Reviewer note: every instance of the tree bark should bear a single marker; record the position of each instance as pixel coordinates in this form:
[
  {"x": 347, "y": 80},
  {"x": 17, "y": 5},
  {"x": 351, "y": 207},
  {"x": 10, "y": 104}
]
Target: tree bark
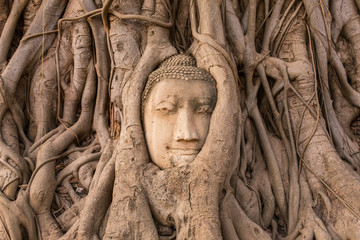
[{"x": 280, "y": 159}]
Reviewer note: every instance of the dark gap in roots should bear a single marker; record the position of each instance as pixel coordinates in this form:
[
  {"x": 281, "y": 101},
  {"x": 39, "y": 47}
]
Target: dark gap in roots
[{"x": 355, "y": 127}]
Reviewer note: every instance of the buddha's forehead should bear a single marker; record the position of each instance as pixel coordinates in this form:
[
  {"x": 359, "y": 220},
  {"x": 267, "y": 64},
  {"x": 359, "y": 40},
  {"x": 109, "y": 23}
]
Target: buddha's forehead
[{"x": 178, "y": 89}]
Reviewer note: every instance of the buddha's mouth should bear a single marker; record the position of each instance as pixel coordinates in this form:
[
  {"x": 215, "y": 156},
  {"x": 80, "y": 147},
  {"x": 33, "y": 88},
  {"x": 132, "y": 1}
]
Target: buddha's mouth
[
  {"x": 182, "y": 157},
  {"x": 185, "y": 151}
]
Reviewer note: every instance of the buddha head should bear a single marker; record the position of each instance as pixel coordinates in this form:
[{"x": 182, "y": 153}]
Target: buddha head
[{"x": 177, "y": 104}]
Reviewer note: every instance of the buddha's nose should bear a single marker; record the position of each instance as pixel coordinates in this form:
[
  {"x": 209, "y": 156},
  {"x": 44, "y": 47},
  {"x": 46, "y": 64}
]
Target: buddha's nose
[{"x": 185, "y": 128}]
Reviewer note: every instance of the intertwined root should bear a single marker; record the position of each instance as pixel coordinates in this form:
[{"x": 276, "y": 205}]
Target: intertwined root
[
  {"x": 14, "y": 170},
  {"x": 289, "y": 159},
  {"x": 309, "y": 226}
]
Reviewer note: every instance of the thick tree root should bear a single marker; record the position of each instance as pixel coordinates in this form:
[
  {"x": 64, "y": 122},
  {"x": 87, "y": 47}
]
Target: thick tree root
[
  {"x": 236, "y": 224},
  {"x": 309, "y": 225}
]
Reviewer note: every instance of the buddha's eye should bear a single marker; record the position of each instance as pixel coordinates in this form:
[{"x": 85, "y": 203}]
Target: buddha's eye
[
  {"x": 204, "y": 109},
  {"x": 165, "y": 108}
]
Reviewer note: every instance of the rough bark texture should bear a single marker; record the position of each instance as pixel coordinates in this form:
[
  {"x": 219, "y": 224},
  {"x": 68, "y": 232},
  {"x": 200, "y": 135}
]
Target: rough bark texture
[{"x": 281, "y": 158}]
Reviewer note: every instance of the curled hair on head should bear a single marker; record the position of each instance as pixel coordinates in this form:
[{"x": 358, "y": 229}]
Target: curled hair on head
[{"x": 179, "y": 67}]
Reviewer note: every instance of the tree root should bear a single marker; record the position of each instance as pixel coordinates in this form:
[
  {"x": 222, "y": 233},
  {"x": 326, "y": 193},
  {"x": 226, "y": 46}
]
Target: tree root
[
  {"x": 30, "y": 50},
  {"x": 18, "y": 170},
  {"x": 9, "y": 29},
  {"x": 255, "y": 196},
  {"x": 310, "y": 225},
  {"x": 103, "y": 73},
  {"x": 233, "y": 218},
  {"x": 100, "y": 194},
  {"x": 73, "y": 168},
  {"x": 123, "y": 222},
  {"x": 17, "y": 215},
  {"x": 130, "y": 197}
]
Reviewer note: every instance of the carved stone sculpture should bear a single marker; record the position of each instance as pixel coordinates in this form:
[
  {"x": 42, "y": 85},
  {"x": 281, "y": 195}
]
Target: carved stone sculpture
[
  {"x": 177, "y": 104},
  {"x": 179, "y": 119}
]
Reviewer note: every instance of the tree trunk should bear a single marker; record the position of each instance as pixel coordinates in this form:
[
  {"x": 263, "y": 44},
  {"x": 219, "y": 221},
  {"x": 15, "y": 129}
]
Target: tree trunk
[{"x": 274, "y": 155}]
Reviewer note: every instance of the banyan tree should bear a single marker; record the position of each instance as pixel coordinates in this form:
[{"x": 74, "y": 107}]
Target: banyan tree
[{"x": 179, "y": 119}]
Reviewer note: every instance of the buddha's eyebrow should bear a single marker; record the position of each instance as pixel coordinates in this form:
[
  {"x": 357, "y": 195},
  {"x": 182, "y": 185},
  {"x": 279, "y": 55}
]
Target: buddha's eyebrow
[
  {"x": 164, "y": 101},
  {"x": 168, "y": 99},
  {"x": 203, "y": 100}
]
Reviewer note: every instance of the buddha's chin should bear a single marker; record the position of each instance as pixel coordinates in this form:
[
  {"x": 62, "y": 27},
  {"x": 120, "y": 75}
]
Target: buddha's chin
[{"x": 181, "y": 160}]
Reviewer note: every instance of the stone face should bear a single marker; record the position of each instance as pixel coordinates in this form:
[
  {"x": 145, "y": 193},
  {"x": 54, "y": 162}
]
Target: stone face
[
  {"x": 176, "y": 120},
  {"x": 176, "y": 117}
]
